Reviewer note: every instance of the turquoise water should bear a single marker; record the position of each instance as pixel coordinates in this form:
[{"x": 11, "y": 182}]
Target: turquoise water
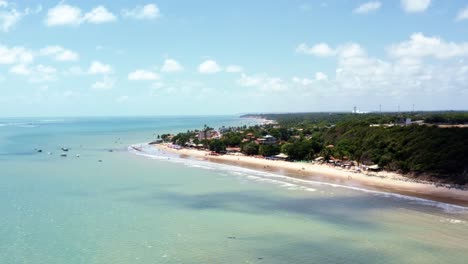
[{"x": 150, "y": 209}]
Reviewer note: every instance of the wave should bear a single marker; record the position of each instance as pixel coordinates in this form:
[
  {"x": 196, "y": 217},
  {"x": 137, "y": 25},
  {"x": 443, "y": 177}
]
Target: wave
[
  {"x": 288, "y": 182},
  {"x": 30, "y": 123},
  {"x": 17, "y": 124},
  {"x": 453, "y": 221},
  {"x": 47, "y": 121}
]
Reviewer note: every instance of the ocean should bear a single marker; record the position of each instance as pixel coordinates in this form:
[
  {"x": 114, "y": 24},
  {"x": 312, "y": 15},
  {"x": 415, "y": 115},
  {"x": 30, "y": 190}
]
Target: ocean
[{"x": 105, "y": 203}]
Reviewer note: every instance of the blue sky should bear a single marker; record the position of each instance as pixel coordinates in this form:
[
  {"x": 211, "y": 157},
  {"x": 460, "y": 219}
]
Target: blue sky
[{"x": 77, "y": 58}]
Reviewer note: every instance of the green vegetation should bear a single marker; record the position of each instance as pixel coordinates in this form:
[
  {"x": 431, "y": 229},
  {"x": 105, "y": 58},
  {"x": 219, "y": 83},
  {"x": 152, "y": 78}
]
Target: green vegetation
[
  {"x": 420, "y": 149},
  {"x": 441, "y": 152},
  {"x": 217, "y": 145},
  {"x": 328, "y": 119}
]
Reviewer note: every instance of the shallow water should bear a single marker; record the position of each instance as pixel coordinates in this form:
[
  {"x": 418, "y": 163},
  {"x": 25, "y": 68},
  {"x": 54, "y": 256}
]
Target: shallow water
[{"x": 146, "y": 209}]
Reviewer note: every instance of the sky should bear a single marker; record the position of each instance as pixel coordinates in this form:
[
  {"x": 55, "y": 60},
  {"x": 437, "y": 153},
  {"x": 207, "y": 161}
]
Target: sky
[{"x": 176, "y": 57}]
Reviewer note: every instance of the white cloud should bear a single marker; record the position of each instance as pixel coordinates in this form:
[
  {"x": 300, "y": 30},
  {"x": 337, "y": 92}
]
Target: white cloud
[
  {"x": 414, "y": 6},
  {"x": 209, "y": 67},
  {"x": 39, "y": 73},
  {"x": 171, "y": 65},
  {"x": 68, "y": 94},
  {"x": 9, "y": 18},
  {"x": 143, "y": 75},
  {"x": 105, "y": 84},
  {"x": 263, "y": 82},
  {"x": 15, "y": 55},
  {"x": 20, "y": 69},
  {"x": 149, "y": 11},
  {"x": 44, "y": 88},
  {"x": 21, "y": 55},
  {"x": 74, "y": 70},
  {"x": 302, "y": 81},
  {"x": 422, "y": 46},
  {"x": 194, "y": 89},
  {"x": 320, "y": 76},
  {"x": 305, "y": 7},
  {"x": 59, "y": 53},
  {"x": 97, "y": 67},
  {"x": 122, "y": 99},
  {"x": 462, "y": 14},
  {"x": 99, "y": 15},
  {"x": 44, "y": 73},
  {"x": 63, "y": 14},
  {"x": 320, "y": 49},
  {"x": 367, "y": 7},
  {"x": 249, "y": 81},
  {"x": 324, "y": 50},
  {"x": 406, "y": 72},
  {"x": 351, "y": 50},
  {"x": 234, "y": 69}
]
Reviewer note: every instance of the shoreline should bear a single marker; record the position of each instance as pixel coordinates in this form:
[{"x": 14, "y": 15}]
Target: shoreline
[
  {"x": 375, "y": 181},
  {"x": 262, "y": 120}
]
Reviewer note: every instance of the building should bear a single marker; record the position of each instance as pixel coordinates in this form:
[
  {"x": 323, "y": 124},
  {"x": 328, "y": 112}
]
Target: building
[
  {"x": 281, "y": 156},
  {"x": 233, "y": 150},
  {"x": 157, "y": 141},
  {"x": 208, "y": 134},
  {"x": 267, "y": 140},
  {"x": 204, "y": 134}
]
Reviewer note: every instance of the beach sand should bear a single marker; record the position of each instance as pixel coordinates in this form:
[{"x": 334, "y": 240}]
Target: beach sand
[{"x": 377, "y": 181}]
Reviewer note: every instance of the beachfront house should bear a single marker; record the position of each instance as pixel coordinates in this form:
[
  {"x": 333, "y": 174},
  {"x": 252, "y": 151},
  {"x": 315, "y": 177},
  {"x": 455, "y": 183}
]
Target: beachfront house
[
  {"x": 204, "y": 134},
  {"x": 267, "y": 140},
  {"x": 281, "y": 156},
  {"x": 157, "y": 141},
  {"x": 233, "y": 150}
]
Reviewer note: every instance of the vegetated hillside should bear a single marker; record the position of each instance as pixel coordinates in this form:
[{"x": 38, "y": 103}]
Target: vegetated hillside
[
  {"x": 324, "y": 118},
  {"x": 420, "y": 150},
  {"x": 427, "y": 150}
]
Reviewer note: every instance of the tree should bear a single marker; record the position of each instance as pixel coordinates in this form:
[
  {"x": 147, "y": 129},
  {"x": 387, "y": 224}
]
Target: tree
[
  {"x": 217, "y": 145},
  {"x": 165, "y": 137},
  {"x": 268, "y": 150},
  {"x": 300, "y": 150},
  {"x": 250, "y": 149}
]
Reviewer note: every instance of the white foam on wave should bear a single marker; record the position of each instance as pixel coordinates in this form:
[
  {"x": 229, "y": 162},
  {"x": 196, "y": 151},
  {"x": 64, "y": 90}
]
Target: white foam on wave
[
  {"x": 17, "y": 124},
  {"x": 31, "y": 123},
  {"x": 200, "y": 166},
  {"x": 285, "y": 181},
  {"x": 453, "y": 221},
  {"x": 46, "y": 121}
]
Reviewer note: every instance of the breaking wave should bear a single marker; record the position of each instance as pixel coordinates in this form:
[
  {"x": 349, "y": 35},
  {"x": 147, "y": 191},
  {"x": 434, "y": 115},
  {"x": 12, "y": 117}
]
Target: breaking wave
[{"x": 287, "y": 182}]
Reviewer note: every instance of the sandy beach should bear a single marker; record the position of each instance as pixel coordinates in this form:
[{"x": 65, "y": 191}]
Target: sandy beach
[{"x": 380, "y": 181}]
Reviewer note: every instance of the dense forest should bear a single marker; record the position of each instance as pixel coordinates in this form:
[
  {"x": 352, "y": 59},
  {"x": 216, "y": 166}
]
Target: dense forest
[
  {"x": 435, "y": 146},
  {"x": 433, "y": 117}
]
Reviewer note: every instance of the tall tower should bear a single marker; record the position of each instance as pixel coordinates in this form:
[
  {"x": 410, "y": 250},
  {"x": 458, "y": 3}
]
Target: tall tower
[{"x": 354, "y": 111}]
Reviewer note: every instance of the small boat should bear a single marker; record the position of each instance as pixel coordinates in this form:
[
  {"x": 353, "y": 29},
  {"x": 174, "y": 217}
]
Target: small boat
[
  {"x": 39, "y": 150},
  {"x": 77, "y": 155},
  {"x": 65, "y": 149},
  {"x": 63, "y": 155}
]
